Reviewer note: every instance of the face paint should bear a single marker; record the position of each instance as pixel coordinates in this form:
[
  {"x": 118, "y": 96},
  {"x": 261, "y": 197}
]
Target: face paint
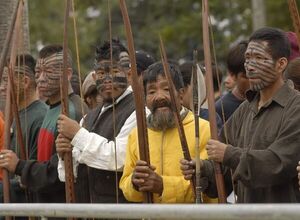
[
  {"x": 124, "y": 60},
  {"x": 111, "y": 82},
  {"x": 260, "y": 66},
  {"x": 48, "y": 73},
  {"x": 19, "y": 73}
]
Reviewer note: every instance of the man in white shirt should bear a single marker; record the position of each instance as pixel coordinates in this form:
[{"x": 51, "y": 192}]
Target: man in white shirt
[{"x": 99, "y": 145}]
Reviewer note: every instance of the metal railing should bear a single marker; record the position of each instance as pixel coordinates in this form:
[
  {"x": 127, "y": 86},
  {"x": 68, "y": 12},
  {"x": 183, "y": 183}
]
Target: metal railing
[{"x": 157, "y": 211}]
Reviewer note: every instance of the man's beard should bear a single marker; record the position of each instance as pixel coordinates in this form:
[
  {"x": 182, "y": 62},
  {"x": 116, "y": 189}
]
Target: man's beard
[
  {"x": 161, "y": 120},
  {"x": 257, "y": 86}
]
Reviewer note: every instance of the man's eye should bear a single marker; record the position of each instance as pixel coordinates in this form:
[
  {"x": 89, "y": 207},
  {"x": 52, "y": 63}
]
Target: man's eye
[
  {"x": 151, "y": 92},
  {"x": 100, "y": 73},
  {"x": 260, "y": 58}
]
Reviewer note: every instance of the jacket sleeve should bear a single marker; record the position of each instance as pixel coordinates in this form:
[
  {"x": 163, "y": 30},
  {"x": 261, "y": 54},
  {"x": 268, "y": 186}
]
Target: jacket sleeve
[
  {"x": 40, "y": 176},
  {"x": 130, "y": 193},
  {"x": 208, "y": 180},
  {"x": 98, "y": 152},
  {"x": 230, "y": 135}
]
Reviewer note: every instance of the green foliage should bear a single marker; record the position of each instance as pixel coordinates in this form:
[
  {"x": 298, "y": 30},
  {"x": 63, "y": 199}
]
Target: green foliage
[{"x": 178, "y": 21}]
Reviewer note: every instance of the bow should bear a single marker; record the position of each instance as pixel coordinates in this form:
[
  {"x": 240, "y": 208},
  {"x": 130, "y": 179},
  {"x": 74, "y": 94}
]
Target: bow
[
  {"x": 10, "y": 94},
  {"x": 8, "y": 39},
  {"x": 176, "y": 111},
  {"x": 113, "y": 103},
  {"x": 138, "y": 96},
  {"x": 10, "y": 97},
  {"x": 295, "y": 17},
  {"x": 210, "y": 96},
  {"x": 64, "y": 88},
  {"x": 77, "y": 57}
]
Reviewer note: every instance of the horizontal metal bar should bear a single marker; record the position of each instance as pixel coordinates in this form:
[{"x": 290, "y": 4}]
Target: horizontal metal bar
[{"x": 134, "y": 211}]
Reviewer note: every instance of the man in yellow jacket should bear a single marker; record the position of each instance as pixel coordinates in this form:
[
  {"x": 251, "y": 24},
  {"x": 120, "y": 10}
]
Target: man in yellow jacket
[{"x": 163, "y": 176}]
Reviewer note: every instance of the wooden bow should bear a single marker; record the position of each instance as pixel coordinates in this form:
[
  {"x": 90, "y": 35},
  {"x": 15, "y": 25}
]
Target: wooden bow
[
  {"x": 138, "y": 96},
  {"x": 113, "y": 102},
  {"x": 295, "y": 18},
  {"x": 211, "y": 99},
  {"x": 7, "y": 122},
  {"x": 175, "y": 109},
  {"x": 11, "y": 103},
  {"x": 8, "y": 38},
  {"x": 64, "y": 88}
]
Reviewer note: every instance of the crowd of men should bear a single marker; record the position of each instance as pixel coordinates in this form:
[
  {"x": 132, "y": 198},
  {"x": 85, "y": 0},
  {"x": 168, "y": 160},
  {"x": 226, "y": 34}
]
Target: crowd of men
[{"x": 258, "y": 122}]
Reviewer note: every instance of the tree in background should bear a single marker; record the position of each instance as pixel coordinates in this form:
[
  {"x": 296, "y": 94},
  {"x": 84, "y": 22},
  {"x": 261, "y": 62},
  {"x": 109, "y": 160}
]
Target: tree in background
[{"x": 178, "y": 21}]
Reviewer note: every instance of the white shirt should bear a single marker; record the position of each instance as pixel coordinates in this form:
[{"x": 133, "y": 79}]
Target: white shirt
[{"x": 96, "y": 151}]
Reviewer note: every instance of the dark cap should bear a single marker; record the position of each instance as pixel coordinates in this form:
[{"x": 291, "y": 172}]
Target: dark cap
[{"x": 143, "y": 60}]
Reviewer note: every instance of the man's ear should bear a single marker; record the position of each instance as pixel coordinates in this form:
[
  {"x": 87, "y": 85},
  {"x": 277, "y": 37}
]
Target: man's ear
[
  {"x": 128, "y": 74},
  {"x": 181, "y": 94},
  {"x": 282, "y": 64},
  {"x": 69, "y": 72},
  {"x": 26, "y": 80},
  {"x": 233, "y": 76},
  {"x": 94, "y": 76}
]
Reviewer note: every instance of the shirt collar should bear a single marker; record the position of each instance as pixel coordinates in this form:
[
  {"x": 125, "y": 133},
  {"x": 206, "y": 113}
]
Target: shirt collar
[
  {"x": 280, "y": 96},
  {"x": 125, "y": 93}
]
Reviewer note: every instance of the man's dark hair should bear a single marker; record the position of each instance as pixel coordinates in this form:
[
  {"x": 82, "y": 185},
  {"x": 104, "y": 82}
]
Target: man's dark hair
[
  {"x": 236, "y": 58},
  {"x": 278, "y": 42},
  {"x": 52, "y": 49},
  {"x": 26, "y": 60},
  {"x": 157, "y": 69},
  {"x": 143, "y": 60},
  {"x": 75, "y": 83},
  {"x": 103, "y": 51},
  {"x": 186, "y": 72},
  {"x": 49, "y": 50}
]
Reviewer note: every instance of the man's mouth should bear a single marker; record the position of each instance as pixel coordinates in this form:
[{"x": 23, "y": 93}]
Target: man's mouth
[
  {"x": 42, "y": 89},
  {"x": 253, "y": 79},
  {"x": 162, "y": 108},
  {"x": 108, "y": 87}
]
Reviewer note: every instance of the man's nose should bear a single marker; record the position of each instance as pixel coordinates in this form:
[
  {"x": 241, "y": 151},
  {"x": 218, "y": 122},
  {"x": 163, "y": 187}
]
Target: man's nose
[
  {"x": 250, "y": 65},
  {"x": 41, "y": 77},
  {"x": 161, "y": 94},
  {"x": 107, "y": 78}
]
